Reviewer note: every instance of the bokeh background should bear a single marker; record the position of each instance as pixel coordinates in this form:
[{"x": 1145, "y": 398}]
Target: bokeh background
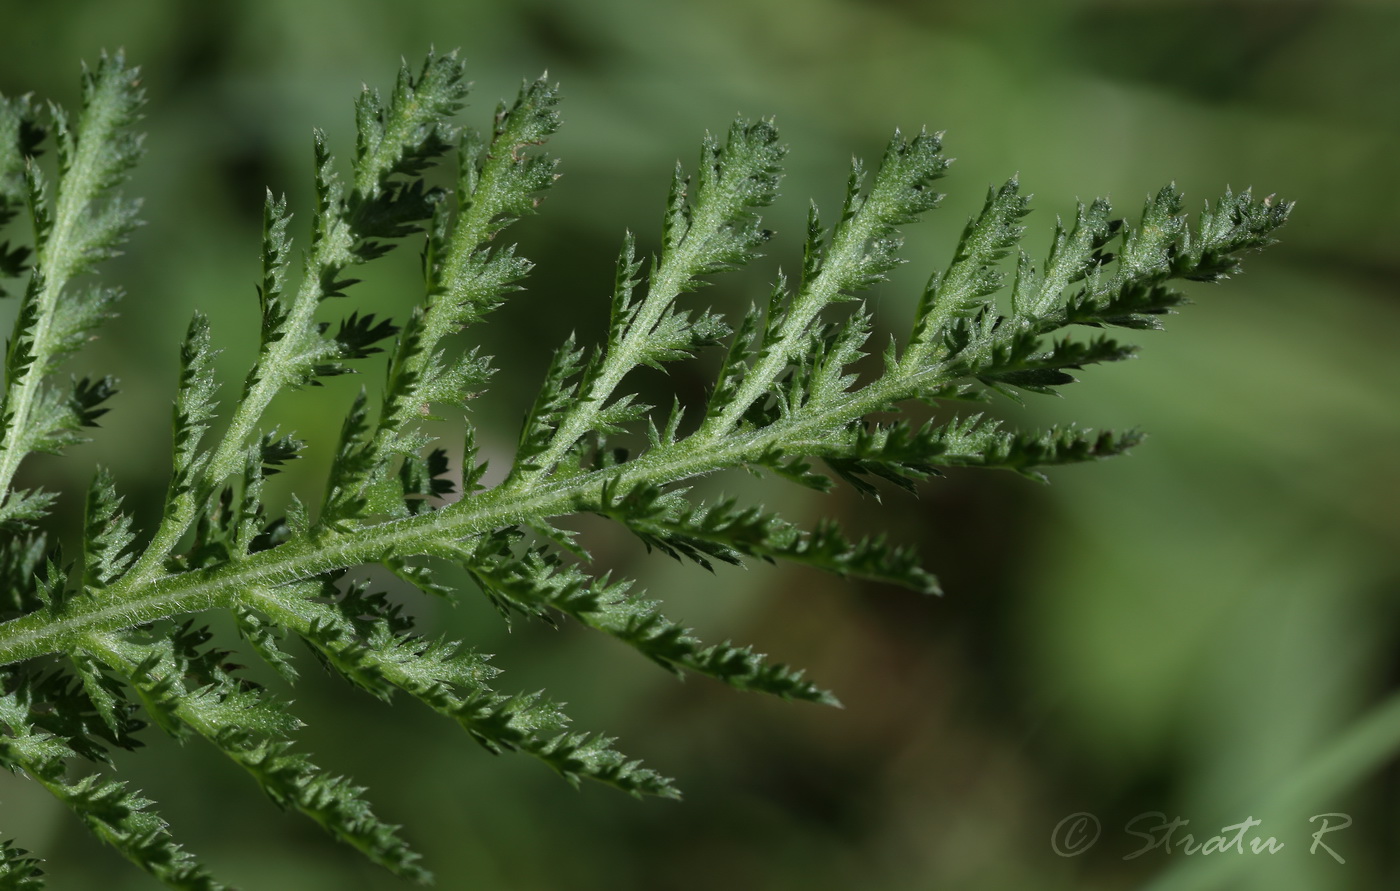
[{"x": 1206, "y": 628}]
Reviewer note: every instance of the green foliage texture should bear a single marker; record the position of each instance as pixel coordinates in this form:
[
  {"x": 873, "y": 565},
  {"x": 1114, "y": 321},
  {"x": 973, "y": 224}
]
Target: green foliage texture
[{"x": 104, "y": 635}]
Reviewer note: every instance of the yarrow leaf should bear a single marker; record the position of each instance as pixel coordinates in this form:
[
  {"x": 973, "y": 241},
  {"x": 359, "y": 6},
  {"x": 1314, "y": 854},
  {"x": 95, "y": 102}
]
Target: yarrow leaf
[{"x": 106, "y": 633}]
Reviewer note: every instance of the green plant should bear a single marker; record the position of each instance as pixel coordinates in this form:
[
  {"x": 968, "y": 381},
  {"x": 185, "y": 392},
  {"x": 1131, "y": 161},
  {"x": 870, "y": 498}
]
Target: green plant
[{"x": 96, "y": 642}]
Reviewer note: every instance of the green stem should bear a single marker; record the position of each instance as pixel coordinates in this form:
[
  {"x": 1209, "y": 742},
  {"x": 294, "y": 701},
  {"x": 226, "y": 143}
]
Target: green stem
[
  {"x": 133, "y": 601},
  {"x": 59, "y": 260},
  {"x": 228, "y": 458},
  {"x": 846, "y": 248}
]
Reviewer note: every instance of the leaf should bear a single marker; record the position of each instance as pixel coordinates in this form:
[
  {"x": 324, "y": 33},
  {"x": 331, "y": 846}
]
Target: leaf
[
  {"x": 251, "y": 729},
  {"x": 19, "y": 871},
  {"x": 538, "y": 582},
  {"x": 107, "y": 534},
  {"x": 117, "y": 816},
  {"x": 972, "y": 275},
  {"x": 363, "y": 640},
  {"x": 726, "y": 531},
  {"x": 89, "y": 646}
]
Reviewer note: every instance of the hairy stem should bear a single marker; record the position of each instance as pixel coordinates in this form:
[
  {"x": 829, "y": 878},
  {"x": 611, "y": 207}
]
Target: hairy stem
[
  {"x": 60, "y": 257},
  {"x": 131, "y": 602}
]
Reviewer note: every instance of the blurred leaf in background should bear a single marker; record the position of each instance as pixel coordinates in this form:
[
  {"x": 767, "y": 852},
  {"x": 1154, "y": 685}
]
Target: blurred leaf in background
[{"x": 1196, "y": 655}]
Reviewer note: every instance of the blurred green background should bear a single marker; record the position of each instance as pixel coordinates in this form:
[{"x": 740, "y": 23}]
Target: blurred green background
[{"x": 1200, "y": 629}]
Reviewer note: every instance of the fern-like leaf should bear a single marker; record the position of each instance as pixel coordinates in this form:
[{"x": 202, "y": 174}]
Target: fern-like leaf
[{"x": 100, "y": 635}]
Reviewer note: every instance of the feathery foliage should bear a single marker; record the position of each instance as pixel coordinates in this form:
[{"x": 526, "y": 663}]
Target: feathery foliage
[{"x": 103, "y": 636}]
